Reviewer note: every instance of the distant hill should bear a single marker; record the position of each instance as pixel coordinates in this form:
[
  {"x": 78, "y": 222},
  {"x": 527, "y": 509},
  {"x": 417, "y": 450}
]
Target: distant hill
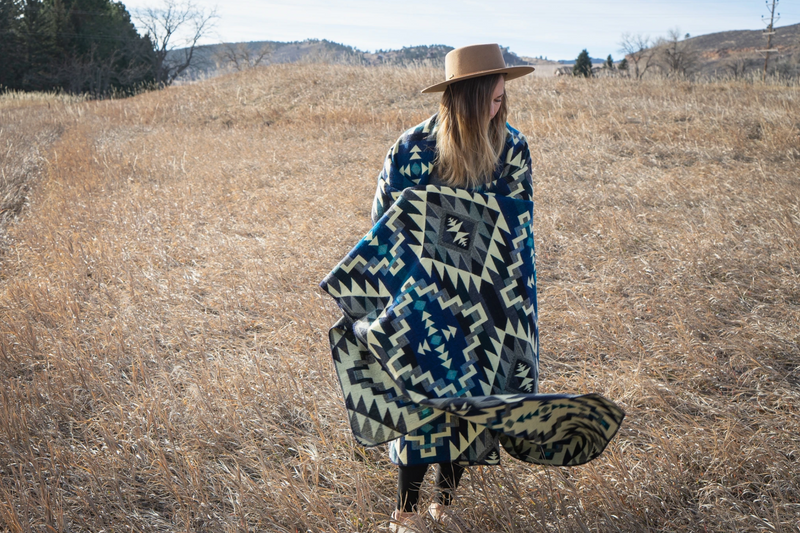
[
  {"x": 594, "y": 60},
  {"x": 786, "y": 39},
  {"x": 715, "y": 54},
  {"x": 719, "y": 51},
  {"x": 433, "y": 54},
  {"x": 218, "y": 58},
  {"x": 213, "y": 59},
  {"x": 406, "y": 55}
]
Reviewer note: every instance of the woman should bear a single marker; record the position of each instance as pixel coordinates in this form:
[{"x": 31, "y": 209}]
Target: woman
[
  {"x": 467, "y": 141},
  {"x": 438, "y": 349}
]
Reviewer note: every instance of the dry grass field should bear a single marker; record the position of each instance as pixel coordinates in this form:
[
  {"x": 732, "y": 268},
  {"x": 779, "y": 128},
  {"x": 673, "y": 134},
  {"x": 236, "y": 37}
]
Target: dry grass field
[{"x": 164, "y": 362}]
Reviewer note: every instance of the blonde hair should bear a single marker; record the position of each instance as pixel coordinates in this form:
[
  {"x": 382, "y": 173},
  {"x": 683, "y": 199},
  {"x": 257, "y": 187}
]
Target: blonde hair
[{"x": 468, "y": 146}]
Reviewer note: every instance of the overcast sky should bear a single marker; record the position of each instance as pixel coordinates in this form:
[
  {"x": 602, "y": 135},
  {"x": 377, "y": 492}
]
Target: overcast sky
[{"x": 557, "y": 29}]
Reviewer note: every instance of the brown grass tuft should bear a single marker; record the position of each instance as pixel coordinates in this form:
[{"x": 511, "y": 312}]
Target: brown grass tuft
[{"x": 163, "y": 344}]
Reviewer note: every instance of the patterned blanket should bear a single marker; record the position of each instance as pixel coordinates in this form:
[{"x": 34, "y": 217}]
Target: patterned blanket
[{"x": 438, "y": 345}]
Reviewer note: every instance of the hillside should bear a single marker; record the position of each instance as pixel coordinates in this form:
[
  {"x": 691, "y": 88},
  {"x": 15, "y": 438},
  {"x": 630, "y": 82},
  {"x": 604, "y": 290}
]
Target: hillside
[
  {"x": 719, "y": 52},
  {"x": 786, "y": 40},
  {"x": 715, "y": 54},
  {"x": 217, "y": 59},
  {"x": 164, "y": 356}
]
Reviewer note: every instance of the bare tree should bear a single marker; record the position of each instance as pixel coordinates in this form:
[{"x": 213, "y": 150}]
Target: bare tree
[
  {"x": 174, "y": 28},
  {"x": 676, "y": 55},
  {"x": 637, "y": 50},
  {"x": 242, "y": 56},
  {"x": 737, "y": 66}
]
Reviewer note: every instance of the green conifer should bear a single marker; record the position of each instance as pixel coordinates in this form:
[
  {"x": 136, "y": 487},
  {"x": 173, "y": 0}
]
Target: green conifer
[
  {"x": 38, "y": 46},
  {"x": 10, "y": 44},
  {"x": 583, "y": 65},
  {"x": 79, "y": 46}
]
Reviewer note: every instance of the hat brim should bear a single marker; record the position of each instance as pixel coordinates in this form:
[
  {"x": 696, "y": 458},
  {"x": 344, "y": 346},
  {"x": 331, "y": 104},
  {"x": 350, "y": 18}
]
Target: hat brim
[{"x": 510, "y": 72}]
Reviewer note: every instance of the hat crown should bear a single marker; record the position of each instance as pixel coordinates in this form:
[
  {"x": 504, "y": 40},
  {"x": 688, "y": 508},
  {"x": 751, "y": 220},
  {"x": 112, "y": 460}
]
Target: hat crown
[{"x": 473, "y": 59}]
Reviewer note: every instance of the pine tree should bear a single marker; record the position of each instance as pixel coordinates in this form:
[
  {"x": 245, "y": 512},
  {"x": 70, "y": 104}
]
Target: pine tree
[
  {"x": 583, "y": 65},
  {"x": 99, "y": 49},
  {"x": 80, "y": 46},
  {"x": 10, "y": 44},
  {"x": 623, "y": 65},
  {"x": 38, "y": 46},
  {"x": 609, "y": 62}
]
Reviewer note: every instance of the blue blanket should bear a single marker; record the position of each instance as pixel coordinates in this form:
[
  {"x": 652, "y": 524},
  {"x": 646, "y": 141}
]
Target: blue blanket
[{"x": 437, "y": 350}]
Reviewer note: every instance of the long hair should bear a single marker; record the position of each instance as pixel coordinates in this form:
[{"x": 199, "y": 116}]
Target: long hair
[{"x": 468, "y": 144}]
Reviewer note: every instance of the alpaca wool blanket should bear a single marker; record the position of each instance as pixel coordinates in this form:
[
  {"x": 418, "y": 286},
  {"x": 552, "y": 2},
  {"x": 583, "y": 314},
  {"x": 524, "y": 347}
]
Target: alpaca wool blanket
[{"x": 437, "y": 350}]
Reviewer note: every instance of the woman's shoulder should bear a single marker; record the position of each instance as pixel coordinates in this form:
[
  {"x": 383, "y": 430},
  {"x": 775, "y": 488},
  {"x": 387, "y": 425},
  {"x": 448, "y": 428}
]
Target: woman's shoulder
[
  {"x": 425, "y": 131},
  {"x": 514, "y": 137},
  {"x": 410, "y": 160},
  {"x": 417, "y": 145},
  {"x": 513, "y": 176}
]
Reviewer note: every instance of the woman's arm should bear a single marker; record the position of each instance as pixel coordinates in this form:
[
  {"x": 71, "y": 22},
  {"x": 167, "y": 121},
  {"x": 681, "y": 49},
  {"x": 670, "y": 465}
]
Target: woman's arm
[
  {"x": 526, "y": 157},
  {"x": 517, "y": 172}
]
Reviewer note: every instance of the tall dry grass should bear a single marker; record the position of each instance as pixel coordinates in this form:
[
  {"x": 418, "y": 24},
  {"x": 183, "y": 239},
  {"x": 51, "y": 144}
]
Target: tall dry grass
[
  {"x": 163, "y": 344},
  {"x": 29, "y": 124}
]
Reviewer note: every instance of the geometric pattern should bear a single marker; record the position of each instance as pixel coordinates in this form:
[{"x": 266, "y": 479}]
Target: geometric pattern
[
  {"x": 437, "y": 350},
  {"x": 410, "y": 163}
]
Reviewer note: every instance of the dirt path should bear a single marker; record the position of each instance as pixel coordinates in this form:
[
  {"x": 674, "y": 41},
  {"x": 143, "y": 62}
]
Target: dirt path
[{"x": 27, "y": 134}]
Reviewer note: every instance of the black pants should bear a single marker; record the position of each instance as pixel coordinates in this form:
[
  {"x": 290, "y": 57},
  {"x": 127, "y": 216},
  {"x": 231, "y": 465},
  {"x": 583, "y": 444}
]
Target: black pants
[{"x": 409, "y": 481}]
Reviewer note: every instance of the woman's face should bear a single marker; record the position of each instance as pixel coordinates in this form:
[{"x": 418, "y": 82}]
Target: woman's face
[{"x": 497, "y": 97}]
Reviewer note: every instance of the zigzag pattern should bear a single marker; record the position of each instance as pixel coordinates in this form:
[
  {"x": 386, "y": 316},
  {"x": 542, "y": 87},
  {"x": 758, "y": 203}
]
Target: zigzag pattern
[
  {"x": 409, "y": 163},
  {"x": 438, "y": 348}
]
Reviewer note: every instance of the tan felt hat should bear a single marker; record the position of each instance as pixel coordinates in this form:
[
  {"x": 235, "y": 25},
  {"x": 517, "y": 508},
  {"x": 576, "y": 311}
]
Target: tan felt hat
[{"x": 474, "y": 61}]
